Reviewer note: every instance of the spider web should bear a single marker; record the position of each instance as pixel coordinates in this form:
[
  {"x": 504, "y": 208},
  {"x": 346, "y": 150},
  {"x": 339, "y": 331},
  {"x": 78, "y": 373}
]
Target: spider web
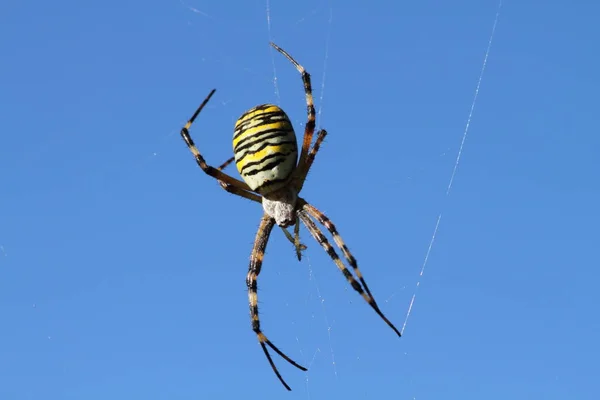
[{"x": 455, "y": 168}]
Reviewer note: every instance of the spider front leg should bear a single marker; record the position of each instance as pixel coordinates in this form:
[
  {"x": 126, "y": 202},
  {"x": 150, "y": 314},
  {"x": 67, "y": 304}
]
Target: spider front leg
[
  {"x": 309, "y": 128},
  {"x": 211, "y": 171},
  {"x": 256, "y": 259}
]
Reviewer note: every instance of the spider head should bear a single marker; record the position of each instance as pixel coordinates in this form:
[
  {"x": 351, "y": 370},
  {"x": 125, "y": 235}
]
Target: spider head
[{"x": 281, "y": 205}]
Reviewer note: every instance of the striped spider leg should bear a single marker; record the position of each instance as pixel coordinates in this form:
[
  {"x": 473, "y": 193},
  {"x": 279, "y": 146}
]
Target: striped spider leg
[
  {"x": 235, "y": 185},
  {"x": 256, "y": 260},
  {"x": 360, "y": 286},
  {"x": 309, "y": 128}
]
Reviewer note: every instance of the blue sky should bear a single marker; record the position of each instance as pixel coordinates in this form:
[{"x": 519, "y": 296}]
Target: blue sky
[{"x": 122, "y": 265}]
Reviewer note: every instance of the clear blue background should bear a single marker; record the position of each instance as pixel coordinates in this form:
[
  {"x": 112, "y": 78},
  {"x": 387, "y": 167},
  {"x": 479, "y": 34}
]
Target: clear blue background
[{"x": 122, "y": 265}]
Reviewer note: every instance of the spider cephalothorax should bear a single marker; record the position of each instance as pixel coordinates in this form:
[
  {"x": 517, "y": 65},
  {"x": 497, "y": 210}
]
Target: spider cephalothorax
[
  {"x": 266, "y": 156},
  {"x": 281, "y": 205}
]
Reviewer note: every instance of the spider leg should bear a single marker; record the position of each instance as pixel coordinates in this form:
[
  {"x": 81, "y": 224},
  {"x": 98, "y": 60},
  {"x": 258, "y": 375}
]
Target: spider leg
[
  {"x": 226, "y": 163},
  {"x": 310, "y": 159},
  {"x": 326, "y": 222},
  {"x": 214, "y": 172},
  {"x": 235, "y": 190},
  {"x": 242, "y": 193},
  {"x": 256, "y": 259},
  {"x": 309, "y": 128},
  {"x": 361, "y": 287},
  {"x": 297, "y": 243},
  {"x": 295, "y": 240},
  {"x": 315, "y": 149}
]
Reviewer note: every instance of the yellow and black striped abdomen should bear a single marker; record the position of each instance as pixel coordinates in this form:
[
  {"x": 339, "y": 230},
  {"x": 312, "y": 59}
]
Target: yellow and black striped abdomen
[{"x": 265, "y": 148}]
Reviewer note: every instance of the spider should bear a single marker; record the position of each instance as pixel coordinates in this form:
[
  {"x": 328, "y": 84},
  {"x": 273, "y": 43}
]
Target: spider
[{"x": 266, "y": 156}]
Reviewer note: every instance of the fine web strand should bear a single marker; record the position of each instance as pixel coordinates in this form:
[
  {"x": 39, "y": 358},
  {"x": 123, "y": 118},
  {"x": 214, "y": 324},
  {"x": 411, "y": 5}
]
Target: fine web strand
[
  {"x": 195, "y": 10},
  {"x": 272, "y": 52},
  {"x": 327, "y": 39},
  {"x": 458, "y": 156},
  {"x": 312, "y": 277},
  {"x": 468, "y": 124},
  {"x": 308, "y": 365}
]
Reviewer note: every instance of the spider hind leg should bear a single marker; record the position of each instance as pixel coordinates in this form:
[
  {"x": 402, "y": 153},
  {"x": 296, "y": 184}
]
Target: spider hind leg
[
  {"x": 258, "y": 251},
  {"x": 359, "y": 285}
]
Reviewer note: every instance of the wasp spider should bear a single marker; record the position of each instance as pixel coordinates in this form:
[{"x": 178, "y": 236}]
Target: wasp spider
[{"x": 266, "y": 156}]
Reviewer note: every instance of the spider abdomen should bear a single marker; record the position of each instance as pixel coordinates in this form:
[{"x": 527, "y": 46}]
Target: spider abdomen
[{"x": 265, "y": 148}]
